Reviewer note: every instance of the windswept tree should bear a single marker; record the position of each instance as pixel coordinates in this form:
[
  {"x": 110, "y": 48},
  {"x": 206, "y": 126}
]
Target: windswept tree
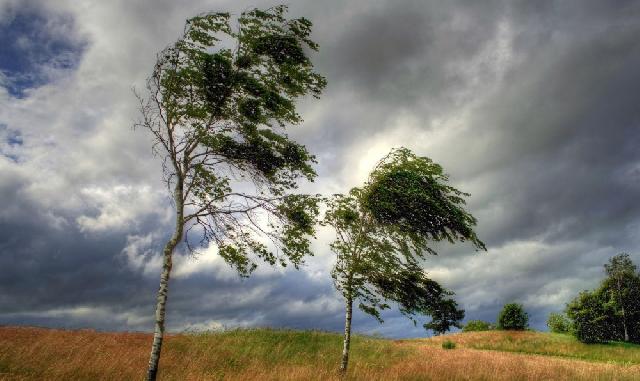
[
  {"x": 383, "y": 232},
  {"x": 217, "y": 105}
]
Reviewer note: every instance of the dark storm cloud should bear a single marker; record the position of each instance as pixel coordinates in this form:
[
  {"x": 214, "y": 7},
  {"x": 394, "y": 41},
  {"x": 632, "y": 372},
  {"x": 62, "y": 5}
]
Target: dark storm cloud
[
  {"x": 49, "y": 264},
  {"x": 530, "y": 106},
  {"x": 402, "y": 52},
  {"x": 565, "y": 136}
]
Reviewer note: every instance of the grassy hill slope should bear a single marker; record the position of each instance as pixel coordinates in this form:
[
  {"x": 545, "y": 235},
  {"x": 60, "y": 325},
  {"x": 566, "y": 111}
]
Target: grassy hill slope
[
  {"x": 549, "y": 344},
  {"x": 262, "y": 354}
]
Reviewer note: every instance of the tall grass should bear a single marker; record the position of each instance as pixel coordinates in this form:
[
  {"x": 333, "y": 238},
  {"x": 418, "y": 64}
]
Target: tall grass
[
  {"x": 264, "y": 354},
  {"x": 33, "y": 353}
]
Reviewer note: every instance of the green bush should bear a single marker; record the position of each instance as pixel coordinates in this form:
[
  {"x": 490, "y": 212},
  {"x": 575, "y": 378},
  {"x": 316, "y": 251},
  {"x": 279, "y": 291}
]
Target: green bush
[
  {"x": 558, "y": 323},
  {"x": 448, "y": 344},
  {"x": 513, "y": 317},
  {"x": 477, "y": 325},
  {"x": 594, "y": 320}
]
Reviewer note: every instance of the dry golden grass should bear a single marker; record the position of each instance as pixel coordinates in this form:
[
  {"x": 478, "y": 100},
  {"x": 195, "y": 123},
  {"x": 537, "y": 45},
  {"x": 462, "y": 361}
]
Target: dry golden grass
[
  {"x": 549, "y": 344},
  {"x": 44, "y": 354}
]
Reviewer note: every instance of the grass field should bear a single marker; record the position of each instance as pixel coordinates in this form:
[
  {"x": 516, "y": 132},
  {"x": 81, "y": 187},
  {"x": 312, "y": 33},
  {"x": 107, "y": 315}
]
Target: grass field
[
  {"x": 549, "y": 344},
  {"x": 262, "y": 354}
]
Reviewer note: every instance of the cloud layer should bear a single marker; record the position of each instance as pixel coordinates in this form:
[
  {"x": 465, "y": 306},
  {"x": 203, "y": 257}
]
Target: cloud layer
[{"x": 530, "y": 106}]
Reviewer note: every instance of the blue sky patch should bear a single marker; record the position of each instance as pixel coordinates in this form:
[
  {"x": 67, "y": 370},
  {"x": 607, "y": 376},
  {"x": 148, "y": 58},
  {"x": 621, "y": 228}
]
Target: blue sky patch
[
  {"x": 10, "y": 141},
  {"x": 34, "y": 45}
]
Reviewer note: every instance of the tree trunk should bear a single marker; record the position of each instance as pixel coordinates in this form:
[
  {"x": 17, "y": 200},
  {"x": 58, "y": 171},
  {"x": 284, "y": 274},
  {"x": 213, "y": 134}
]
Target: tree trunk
[
  {"x": 624, "y": 317},
  {"x": 624, "y": 324},
  {"x": 347, "y": 335},
  {"x": 167, "y": 263}
]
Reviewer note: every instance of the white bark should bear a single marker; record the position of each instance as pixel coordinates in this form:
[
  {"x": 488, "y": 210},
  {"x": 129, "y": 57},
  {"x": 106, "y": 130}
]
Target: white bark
[
  {"x": 347, "y": 335},
  {"x": 624, "y": 323},
  {"x": 624, "y": 317},
  {"x": 164, "y": 283}
]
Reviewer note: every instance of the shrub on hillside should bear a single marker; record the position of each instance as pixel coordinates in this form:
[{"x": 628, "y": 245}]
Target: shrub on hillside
[
  {"x": 558, "y": 323},
  {"x": 513, "y": 317},
  {"x": 448, "y": 344},
  {"x": 477, "y": 325}
]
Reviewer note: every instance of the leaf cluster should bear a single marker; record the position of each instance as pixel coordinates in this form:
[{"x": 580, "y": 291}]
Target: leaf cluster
[
  {"x": 558, "y": 323},
  {"x": 218, "y": 102},
  {"x": 411, "y": 194}
]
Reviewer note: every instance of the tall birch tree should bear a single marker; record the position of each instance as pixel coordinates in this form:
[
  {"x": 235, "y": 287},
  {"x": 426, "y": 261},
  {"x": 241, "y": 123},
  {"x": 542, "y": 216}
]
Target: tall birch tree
[
  {"x": 217, "y": 105},
  {"x": 384, "y": 231}
]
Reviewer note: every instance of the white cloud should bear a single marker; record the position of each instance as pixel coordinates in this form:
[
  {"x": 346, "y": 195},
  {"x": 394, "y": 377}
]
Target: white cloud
[{"x": 119, "y": 207}]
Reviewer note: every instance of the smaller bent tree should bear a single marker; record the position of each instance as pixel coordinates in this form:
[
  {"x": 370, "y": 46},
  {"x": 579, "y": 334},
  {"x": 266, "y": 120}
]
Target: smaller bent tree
[
  {"x": 383, "y": 231},
  {"x": 217, "y": 105}
]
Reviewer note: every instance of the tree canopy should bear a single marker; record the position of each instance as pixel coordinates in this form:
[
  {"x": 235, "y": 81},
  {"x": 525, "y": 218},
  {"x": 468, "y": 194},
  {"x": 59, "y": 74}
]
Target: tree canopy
[
  {"x": 410, "y": 196},
  {"x": 513, "y": 317},
  {"x": 218, "y": 115}
]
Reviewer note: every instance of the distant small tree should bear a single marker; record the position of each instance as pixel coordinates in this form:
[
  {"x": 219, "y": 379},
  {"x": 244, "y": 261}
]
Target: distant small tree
[
  {"x": 513, "y": 317},
  {"x": 444, "y": 316},
  {"x": 558, "y": 323},
  {"x": 383, "y": 231},
  {"x": 477, "y": 325},
  {"x": 217, "y": 104}
]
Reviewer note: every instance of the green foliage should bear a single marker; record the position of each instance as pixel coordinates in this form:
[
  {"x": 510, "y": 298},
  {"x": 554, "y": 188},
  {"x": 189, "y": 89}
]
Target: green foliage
[
  {"x": 477, "y": 325},
  {"x": 378, "y": 257},
  {"x": 558, "y": 323},
  {"x": 444, "y": 316},
  {"x": 592, "y": 318},
  {"x": 513, "y": 317},
  {"x": 619, "y": 266},
  {"x": 600, "y": 315},
  {"x": 448, "y": 344},
  {"x": 411, "y": 194},
  {"x": 218, "y": 116}
]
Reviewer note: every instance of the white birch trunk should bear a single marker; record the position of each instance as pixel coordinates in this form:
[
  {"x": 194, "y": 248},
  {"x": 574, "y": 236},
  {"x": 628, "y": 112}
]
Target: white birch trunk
[
  {"x": 347, "y": 335},
  {"x": 624, "y": 317},
  {"x": 164, "y": 283},
  {"x": 624, "y": 324}
]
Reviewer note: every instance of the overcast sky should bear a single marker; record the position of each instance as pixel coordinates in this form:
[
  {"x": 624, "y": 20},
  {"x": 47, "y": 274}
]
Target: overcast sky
[{"x": 533, "y": 107}]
